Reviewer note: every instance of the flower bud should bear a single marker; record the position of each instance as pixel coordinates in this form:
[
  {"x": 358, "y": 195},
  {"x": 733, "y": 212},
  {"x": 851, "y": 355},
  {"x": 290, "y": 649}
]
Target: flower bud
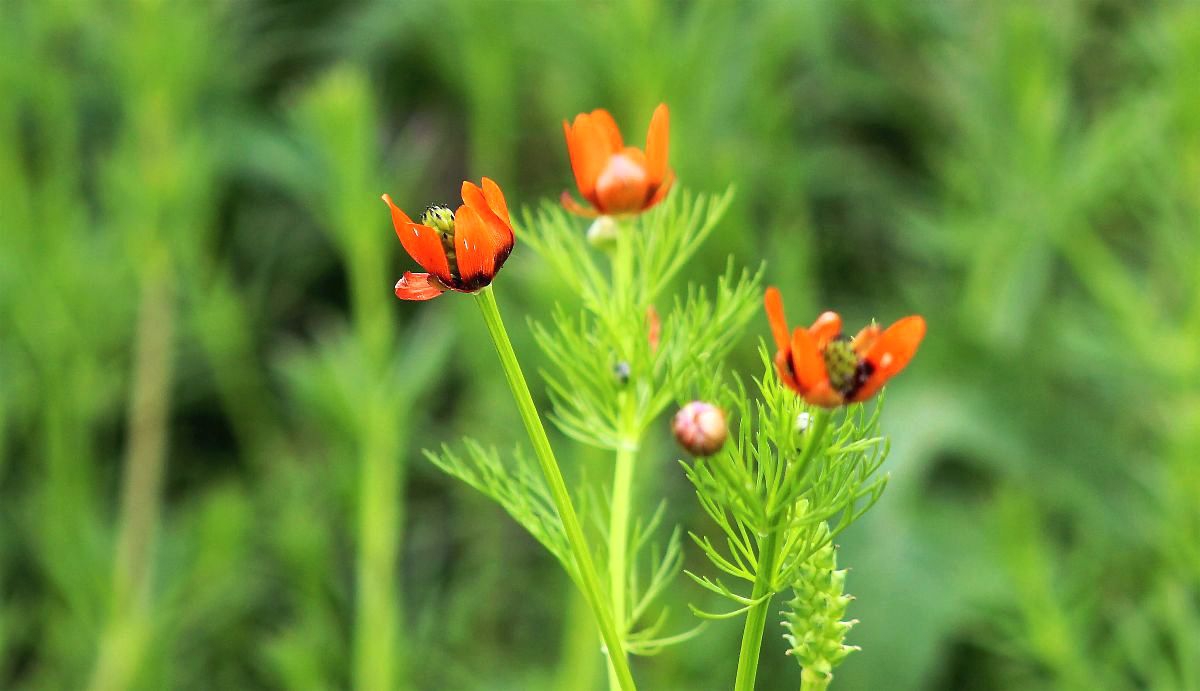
[
  {"x": 602, "y": 234},
  {"x": 700, "y": 428}
]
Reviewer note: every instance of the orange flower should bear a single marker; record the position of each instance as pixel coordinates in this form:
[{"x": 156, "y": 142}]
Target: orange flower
[
  {"x": 462, "y": 250},
  {"x": 828, "y": 369},
  {"x": 614, "y": 178}
]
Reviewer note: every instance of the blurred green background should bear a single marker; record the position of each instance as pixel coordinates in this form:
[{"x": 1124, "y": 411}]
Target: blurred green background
[{"x": 195, "y": 289}]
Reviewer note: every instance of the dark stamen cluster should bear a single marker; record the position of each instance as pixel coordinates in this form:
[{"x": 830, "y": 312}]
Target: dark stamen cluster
[{"x": 846, "y": 372}]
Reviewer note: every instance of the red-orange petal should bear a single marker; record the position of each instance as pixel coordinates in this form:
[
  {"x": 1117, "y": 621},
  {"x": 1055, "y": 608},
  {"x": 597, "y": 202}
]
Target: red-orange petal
[
  {"x": 590, "y": 148},
  {"x": 495, "y": 199},
  {"x": 481, "y": 246},
  {"x": 607, "y": 127},
  {"x": 773, "y": 302},
  {"x": 653, "y": 328},
  {"x": 824, "y": 395},
  {"x": 661, "y": 192},
  {"x": 808, "y": 363},
  {"x": 783, "y": 365},
  {"x": 581, "y": 156},
  {"x": 421, "y": 242},
  {"x": 575, "y": 207},
  {"x": 826, "y": 327},
  {"x": 865, "y": 338},
  {"x": 891, "y": 353},
  {"x": 413, "y": 286},
  {"x": 499, "y": 238},
  {"x": 657, "y": 141}
]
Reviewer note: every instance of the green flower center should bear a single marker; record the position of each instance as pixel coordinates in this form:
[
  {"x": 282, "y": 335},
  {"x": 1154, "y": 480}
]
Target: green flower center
[
  {"x": 441, "y": 219},
  {"x": 847, "y": 372},
  {"x": 841, "y": 362}
]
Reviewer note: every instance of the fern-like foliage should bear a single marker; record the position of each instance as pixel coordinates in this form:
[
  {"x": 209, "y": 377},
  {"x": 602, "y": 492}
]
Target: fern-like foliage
[
  {"x": 624, "y": 353},
  {"x": 516, "y": 486},
  {"x": 607, "y": 378},
  {"x": 800, "y": 484}
]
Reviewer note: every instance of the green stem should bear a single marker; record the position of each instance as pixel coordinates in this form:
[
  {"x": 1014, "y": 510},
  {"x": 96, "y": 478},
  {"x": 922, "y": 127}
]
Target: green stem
[
  {"x": 618, "y": 526},
  {"x": 816, "y": 437},
  {"x": 756, "y": 618},
  {"x": 813, "y": 681},
  {"x": 124, "y": 638},
  {"x": 577, "y": 668},
  {"x": 379, "y": 651},
  {"x": 377, "y": 606},
  {"x": 588, "y": 580}
]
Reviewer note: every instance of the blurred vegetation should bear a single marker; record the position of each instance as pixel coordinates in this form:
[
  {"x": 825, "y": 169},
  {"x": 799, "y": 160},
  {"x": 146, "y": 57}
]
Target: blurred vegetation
[{"x": 191, "y": 241}]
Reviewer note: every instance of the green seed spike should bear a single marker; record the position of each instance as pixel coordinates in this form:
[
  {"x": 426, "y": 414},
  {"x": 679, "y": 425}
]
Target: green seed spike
[{"x": 816, "y": 630}]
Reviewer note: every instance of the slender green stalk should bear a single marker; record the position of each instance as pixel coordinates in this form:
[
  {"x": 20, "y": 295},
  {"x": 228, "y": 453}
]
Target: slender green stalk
[
  {"x": 756, "y": 618},
  {"x": 378, "y": 648},
  {"x": 618, "y": 536},
  {"x": 813, "y": 681},
  {"x": 588, "y": 580},
  {"x": 577, "y": 664},
  {"x": 123, "y": 641},
  {"x": 375, "y": 571}
]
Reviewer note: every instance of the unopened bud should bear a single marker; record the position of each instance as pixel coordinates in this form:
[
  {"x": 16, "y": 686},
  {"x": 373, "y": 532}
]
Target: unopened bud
[
  {"x": 700, "y": 428},
  {"x": 602, "y": 234}
]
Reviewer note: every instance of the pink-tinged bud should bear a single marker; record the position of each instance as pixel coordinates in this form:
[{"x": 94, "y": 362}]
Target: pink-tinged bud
[{"x": 700, "y": 428}]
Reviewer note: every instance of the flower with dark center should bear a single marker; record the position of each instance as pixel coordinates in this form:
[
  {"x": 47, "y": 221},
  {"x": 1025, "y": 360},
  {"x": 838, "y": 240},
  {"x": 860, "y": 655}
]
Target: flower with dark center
[
  {"x": 461, "y": 250},
  {"x": 828, "y": 369}
]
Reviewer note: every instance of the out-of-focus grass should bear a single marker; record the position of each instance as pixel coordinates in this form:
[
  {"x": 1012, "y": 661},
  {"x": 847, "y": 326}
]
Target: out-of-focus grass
[{"x": 1025, "y": 174}]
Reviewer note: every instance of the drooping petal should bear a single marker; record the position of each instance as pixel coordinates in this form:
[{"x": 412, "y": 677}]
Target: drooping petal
[
  {"x": 657, "y": 140},
  {"x": 575, "y": 207},
  {"x": 413, "y": 286},
  {"x": 890, "y": 353},
  {"x": 421, "y": 242},
  {"x": 773, "y": 302},
  {"x": 607, "y": 127},
  {"x": 827, "y": 327},
  {"x": 480, "y": 246}
]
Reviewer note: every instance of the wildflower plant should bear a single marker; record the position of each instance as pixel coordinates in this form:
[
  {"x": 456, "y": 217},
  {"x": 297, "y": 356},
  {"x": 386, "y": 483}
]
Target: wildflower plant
[
  {"x": 614, "y": 363},
  {"x": 613, "y": 367}
]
